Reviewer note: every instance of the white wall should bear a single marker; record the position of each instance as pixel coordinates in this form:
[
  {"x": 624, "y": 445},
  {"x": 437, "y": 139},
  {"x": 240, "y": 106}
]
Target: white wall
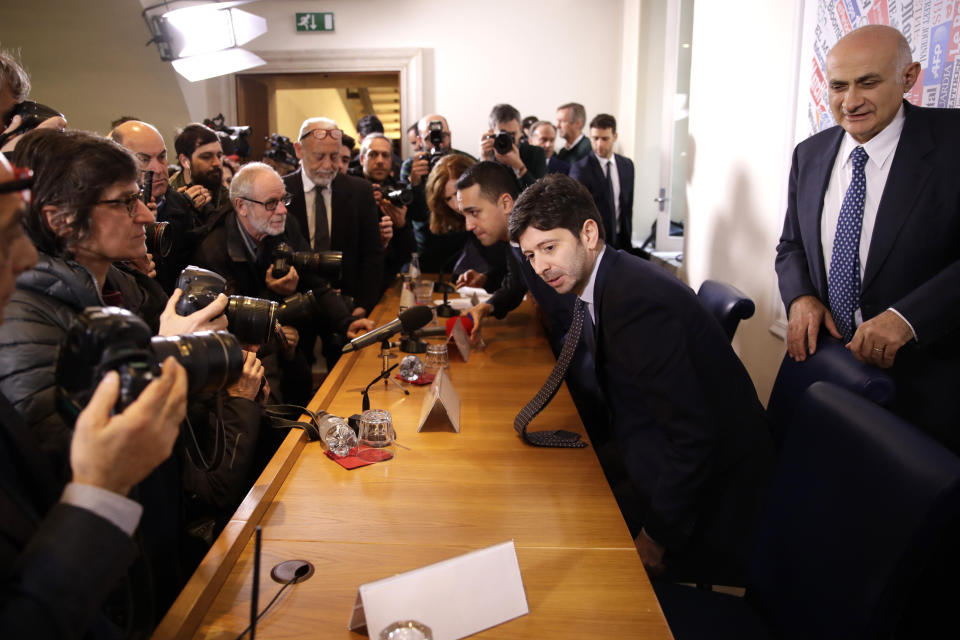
[
  {"x": 534, "y": 55},
  {"x": 88, "y": 60},
  {"x": 743, "y": 80}
]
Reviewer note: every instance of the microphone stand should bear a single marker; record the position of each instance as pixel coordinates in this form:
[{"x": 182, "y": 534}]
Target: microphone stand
[
  {"x": 445, "y": 310},
  {"x": 383, "y": 375}
]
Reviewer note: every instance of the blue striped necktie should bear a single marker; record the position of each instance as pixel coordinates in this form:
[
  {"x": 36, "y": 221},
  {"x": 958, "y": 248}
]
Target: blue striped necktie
[{"x": 843, "y": 280}]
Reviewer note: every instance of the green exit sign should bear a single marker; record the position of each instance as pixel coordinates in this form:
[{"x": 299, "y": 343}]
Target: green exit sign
[{"x": 315, "y": 22}]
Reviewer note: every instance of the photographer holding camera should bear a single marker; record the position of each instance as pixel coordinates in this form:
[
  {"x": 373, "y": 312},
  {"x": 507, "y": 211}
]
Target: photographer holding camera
[
  {"x": 393, "y": 198},
  {"x": 242, "y": 247},
  {"x": 86, "y": 215},
  {"x": 200, "y": 178},
  {"x": 17, "y": 114},
  {"x": 186, "y": 228},
  {"x": 502, "y": 144},
  {"x": 63, "y": 549}
]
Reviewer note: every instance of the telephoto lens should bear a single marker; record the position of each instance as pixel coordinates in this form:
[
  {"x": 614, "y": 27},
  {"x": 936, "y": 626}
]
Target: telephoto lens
[
  {"x": 300, "y": 308},
  {"x": 326, "y": 264},
  {"x": 103, "y": 339},
  {"x": 159, "y": 238},
  {"x": 213, "y": 359},
  {"x": 252, "y": 320}
]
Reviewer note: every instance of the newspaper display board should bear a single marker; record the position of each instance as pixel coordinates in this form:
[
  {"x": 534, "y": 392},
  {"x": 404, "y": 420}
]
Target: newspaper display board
[{"x": 932, "y": 27}]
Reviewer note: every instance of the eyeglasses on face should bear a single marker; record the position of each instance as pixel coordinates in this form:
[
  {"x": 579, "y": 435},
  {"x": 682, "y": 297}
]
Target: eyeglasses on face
[
  {"x": 320, "y": 134},
  {"x": 131, "y": 203},
  {"x": 272, "y": 203}
]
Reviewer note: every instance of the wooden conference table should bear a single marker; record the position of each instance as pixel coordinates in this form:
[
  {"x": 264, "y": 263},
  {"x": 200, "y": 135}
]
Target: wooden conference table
[{"x": 443, "y": 495}]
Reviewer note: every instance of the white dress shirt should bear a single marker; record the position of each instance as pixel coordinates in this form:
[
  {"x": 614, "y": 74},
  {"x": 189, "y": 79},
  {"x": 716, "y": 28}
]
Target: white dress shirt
[
  {"x": 881, "y": 148},
  {"x": 587, "y": 294},
  {"x": 610, "y": 164},
  {"x": 574, "y": 143},
  {"x": 310, "y": 197},
  {"x": 123, "y": 512}
]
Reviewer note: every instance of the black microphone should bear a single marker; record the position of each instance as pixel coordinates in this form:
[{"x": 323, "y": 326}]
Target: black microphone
[{"x": 408, "y": 321}]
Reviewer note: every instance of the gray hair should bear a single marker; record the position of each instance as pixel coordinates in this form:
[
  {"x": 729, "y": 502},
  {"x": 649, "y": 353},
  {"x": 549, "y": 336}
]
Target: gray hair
[
  {"x": 308, "y": 125},
  {"x": 13, "y": 77},
  {"x": 243, "y": 179},
  {"x": 368, "y": 139}
]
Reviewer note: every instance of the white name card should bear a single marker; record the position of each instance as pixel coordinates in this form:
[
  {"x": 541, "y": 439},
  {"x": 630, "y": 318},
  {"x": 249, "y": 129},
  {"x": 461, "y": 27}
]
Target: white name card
[
  {"x": 441, "y": 404},
  {"x": 455, "y": 598}
]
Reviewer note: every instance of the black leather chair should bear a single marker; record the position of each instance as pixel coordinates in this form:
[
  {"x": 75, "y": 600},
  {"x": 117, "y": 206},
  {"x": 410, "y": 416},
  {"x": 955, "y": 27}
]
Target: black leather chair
[
  {"x": 832, "y": 362},
  {"x": 727, "y": 304},
  {"x": 858, "y": 541}
]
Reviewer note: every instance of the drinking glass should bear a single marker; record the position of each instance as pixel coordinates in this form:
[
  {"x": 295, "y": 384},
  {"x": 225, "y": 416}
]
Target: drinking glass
[{"x": 376, "y": 436}]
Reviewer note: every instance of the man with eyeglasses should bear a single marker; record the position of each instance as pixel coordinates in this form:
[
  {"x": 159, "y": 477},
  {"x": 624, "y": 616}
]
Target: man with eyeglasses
[
  {"x": 337, "y": 212},
  {"x": 240, "y": 248},
  {"x": 85, "y": 219},
  {"x": 63, "y": 549}
]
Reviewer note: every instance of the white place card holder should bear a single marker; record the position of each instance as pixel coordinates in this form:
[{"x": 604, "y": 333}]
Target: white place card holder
[
  {"x": 441, "y": 404},
  {"x": 455, "y": 598},
  {"x": 460, "y": 338}
]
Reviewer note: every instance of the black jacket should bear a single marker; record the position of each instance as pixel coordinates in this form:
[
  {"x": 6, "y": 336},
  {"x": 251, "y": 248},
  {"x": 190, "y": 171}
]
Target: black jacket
[
  {"x": 47, "y": 299},
  {"x": 58, "y": 562},
  {"x": 355, "y": 230}
]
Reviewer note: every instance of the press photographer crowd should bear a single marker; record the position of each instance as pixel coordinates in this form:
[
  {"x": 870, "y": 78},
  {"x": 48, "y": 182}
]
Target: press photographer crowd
[{"x": 160, "y": 311}]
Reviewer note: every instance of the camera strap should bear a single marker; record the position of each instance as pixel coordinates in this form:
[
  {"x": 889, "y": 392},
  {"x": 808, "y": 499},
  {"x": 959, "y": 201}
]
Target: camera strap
[
  {"x": 285, "y": 416},
  {"x": 219, "y": 445}
]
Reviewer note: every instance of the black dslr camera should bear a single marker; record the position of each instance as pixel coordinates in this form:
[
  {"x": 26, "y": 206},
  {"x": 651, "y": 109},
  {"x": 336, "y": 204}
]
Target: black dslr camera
[
  {"x": 437, "y": 139},
  {"x": 503, "y": 142},
  {"x": 31, "y": 114},
  {"x": 232, "y": 139},
  {"x": 326, "y": 264},
  {"x": 252, "y": 320},
  {"x": 104, "y": 339},
  {"x": 397, "y": 196}
]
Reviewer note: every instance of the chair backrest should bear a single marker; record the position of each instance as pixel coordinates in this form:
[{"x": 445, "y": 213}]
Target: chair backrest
[
  {"x": 727, "y": 304},
  {"x": 862, "y": 504},
  {"x": 832, "y": 362}
]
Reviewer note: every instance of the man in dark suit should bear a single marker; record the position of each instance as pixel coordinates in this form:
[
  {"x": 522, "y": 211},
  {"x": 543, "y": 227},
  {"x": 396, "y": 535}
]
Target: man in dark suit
[
  {"x": 571, "y": 119},
  {"x": 870, "y": 249},
  {"x": 64, "y": 549},
  {"x": 543, "y": 134},
  {"x": 527, "y": 162},
  {"x": 186, "y": 222},
  {"x": 684, "y": 414},
  {"x": 609, "y": 178},
  {"x": 338, "y": 211}
]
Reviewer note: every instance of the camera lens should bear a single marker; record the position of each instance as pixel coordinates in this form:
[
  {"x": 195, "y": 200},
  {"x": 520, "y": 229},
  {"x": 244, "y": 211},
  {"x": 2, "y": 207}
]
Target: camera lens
[
  {"x": 159, "y": 238},
  {"x": 299, "y": 308},
  {"x": 252, "y": 320},
  {"x": 213, "y": 359},
  {"x": 503, "y": 142}
]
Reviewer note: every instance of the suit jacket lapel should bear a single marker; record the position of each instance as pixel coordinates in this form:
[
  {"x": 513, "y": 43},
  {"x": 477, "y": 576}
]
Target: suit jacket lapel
[
  {"x": 607, "y": 264},
  {"x": 298, "y": 205},
  {"x": 340, "y": 217},
  {"x": 908, "y": 175},
  {"x": 814, "y": 182}
]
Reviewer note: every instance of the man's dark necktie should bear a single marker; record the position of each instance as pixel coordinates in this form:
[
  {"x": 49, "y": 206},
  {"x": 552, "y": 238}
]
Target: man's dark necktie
[
  {"x": 843, "y": 280},
  {"x": 558, "y": 437},
  {"x": 612, "y": 221},
  {"x": 321, "y": 234}
]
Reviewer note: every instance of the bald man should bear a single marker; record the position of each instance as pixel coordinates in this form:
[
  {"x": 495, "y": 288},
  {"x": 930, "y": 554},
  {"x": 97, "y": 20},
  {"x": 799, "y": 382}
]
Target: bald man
[
  {"x": 870, "y": 250},
  {"x": 187, "y": 229}
]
